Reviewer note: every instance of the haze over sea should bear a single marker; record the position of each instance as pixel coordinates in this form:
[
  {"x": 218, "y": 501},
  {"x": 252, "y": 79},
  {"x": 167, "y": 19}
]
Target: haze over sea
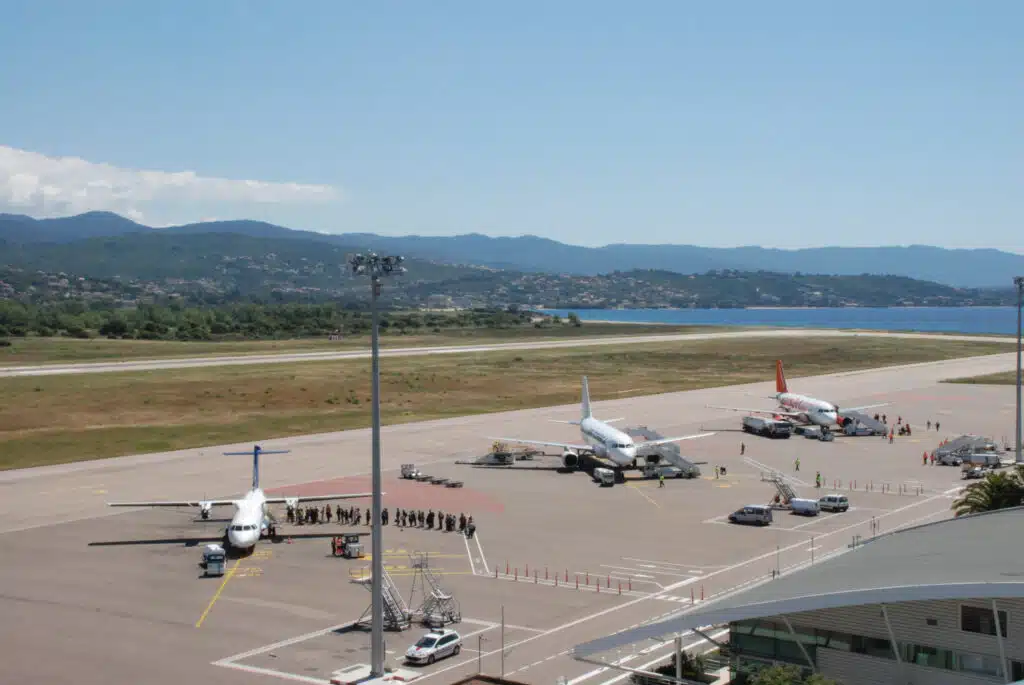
[{"x": 988, "y": 320}]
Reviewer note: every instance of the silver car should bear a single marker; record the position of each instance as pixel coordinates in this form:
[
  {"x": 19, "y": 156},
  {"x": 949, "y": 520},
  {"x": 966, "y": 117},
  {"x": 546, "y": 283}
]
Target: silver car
[{"x": 435, "y": 645}]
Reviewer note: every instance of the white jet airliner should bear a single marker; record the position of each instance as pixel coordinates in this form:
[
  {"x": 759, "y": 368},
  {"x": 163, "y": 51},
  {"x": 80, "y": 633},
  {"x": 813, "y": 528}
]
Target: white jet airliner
[
  {"x": 252, "y": 518},
  {"x": 802, "y": 408},
  {"x": 601, "y": 439}
]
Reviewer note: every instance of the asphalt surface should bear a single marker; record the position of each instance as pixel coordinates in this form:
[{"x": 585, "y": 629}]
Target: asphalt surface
[
  {"x": 142, "y": 614},
  {"x": 284, "y": 358}
]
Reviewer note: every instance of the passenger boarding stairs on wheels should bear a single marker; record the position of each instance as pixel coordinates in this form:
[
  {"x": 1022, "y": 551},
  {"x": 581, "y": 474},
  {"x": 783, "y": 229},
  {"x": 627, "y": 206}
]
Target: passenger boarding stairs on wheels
[
  {"x": 869, "y": 422},
  {"x": 438, "y": 607},
  {"x": 785, "y": 492},
  {"x": 396, "y": 613},
  {"x": 665, "y": 455}
]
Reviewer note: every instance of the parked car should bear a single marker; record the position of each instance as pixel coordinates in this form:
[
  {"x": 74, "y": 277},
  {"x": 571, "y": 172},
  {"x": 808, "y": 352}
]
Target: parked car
[
  {"x": 437, "y": 644},
  {"x": 755, "y": 514},
  {"x": 949, "y": 460},
  {"x": 834, "y": 502}
]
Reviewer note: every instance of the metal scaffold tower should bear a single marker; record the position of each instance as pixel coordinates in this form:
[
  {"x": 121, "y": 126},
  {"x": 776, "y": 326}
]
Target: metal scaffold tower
[
  {"x": 396, "y": 613},
  {"x": 438, "y": 607}
]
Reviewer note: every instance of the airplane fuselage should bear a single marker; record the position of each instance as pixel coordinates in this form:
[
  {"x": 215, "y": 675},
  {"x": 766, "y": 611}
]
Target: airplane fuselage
[
  {"x": 608, "y": 442},
  {"x": 811, "y": 409},
  {"x": 249, "y": 521}
]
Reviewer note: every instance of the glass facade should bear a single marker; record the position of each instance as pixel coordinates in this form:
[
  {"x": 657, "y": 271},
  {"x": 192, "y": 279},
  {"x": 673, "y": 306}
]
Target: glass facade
[
  {"x": 978, "y": 620},
  {"x": 755, "y": 642}
]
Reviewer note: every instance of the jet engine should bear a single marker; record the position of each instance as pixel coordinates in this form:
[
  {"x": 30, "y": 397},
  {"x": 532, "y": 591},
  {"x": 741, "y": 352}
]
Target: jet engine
[
  {"x": 570, "y": 459},
  {"x": 204, "y": 509}
]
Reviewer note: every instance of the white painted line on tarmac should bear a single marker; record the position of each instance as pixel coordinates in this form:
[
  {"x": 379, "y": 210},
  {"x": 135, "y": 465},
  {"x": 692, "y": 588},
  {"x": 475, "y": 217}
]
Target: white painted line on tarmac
[
  {"x": 483, "y": 557},
  {"x": 627, "y": 568},
  {"x": 283, "y": 643},
  {"x": 469, "y": 554},
  {"x": 277, "y": 674}
]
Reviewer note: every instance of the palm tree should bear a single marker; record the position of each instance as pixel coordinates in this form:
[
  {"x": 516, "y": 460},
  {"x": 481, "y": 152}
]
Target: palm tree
[{"x": 998, "y": 490}]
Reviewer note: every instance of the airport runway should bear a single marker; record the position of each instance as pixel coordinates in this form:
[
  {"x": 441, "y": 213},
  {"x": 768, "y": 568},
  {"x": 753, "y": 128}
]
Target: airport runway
[
  {"x": 284, "y": 358},
  {"x": 285, "y": 615}
]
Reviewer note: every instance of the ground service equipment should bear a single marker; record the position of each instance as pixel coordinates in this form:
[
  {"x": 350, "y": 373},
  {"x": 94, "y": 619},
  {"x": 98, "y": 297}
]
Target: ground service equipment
[
  {"x": 214, "y": 560},
  {"x": 347, "y": 546},
  {"x": 769, "y": 428}
]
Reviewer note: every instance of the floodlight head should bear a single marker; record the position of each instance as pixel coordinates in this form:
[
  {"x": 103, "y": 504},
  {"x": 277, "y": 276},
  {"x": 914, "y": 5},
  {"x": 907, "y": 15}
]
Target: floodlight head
[{"x": 1018, "y": 281}]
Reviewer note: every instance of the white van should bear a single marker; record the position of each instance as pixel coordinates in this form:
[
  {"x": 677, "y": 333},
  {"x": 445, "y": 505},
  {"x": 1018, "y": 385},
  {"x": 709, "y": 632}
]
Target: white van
[
  {"x": 604, "y": 476},
  {"x": 753, "y": 514},
  {"x": 834, "y": 502},
  {"x": 804, "y": 507}
]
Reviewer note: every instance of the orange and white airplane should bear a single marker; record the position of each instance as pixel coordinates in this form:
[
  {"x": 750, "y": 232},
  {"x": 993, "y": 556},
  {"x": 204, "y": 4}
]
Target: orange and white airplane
[{"x": 803, "y": 408}]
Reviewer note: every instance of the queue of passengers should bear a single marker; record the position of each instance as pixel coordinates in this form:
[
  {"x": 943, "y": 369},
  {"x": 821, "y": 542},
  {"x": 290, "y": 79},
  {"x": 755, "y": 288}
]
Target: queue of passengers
[{"x": 403, "y": 518}]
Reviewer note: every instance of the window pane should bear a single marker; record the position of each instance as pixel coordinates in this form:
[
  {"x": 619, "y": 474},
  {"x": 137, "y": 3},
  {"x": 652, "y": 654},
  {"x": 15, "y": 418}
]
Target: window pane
[{"x": 979, "y": 620}]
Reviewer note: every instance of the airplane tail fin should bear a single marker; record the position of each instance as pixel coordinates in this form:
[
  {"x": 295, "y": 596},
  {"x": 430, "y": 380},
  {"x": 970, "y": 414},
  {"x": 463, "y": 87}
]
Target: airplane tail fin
[
  {"x": 586, "y": 400},
  {"x": 256, "y": 452},
  {"x": 780, "y": 378},
  {"x": 256, "y": 466}
]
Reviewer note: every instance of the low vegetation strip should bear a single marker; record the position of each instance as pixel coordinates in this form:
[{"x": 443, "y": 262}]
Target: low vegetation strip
[
  {"x": 40, "y": 350},
  {"x": 55, "y": 419},
  {"x": 1001, "y": 378}
]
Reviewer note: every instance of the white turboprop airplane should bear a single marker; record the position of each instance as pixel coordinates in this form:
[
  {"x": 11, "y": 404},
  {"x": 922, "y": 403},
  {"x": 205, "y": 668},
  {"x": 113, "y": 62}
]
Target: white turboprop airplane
[
  {"x": 252, "y": 518},
  {"x": 601, "y": 439},
  {"x": 801, "y": 407}
]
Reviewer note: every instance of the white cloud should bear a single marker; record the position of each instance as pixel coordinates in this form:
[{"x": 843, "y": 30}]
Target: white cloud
[{"x": 42, "y": 186}]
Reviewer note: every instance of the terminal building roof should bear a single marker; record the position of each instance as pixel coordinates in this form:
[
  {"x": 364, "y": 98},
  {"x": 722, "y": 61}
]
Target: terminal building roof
[{"x": 976, "y": 556}]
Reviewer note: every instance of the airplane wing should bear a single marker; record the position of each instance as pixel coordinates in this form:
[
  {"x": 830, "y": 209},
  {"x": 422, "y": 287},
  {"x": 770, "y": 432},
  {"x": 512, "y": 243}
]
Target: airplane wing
[
  {"x": 181, "y": 503},
  {"x": 563, "y": 445},
  {"x": 188, "y": 541},
  {"x": 772, "y": 412},
  {"x": 662, "y": 441},
  {"x": 318, "y": 498},
  {"x": 576, "y": 423},
  {"x": 866, "y": 406}
]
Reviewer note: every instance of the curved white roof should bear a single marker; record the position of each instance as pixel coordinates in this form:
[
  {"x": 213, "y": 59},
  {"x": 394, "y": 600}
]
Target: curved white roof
[{"x": 968, "y": 557}]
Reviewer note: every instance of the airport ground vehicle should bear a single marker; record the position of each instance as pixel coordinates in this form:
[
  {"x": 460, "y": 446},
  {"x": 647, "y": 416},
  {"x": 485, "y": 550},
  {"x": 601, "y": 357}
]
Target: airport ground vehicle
[
  {"x": 769, "y": 428},
  {"x": 949, "y": 459},
  {"x": 606, "y": 477},
  {"x": 214, "y": 560},
  {"x": 437, "y": 644},
  {"x": 834, "y": 502},
  {"x": 347, "y": 546},
  {"x": 752, "y": 514},
  {"x": 409, "y": 471},
  {"x": 804, "y": 507},
  {"x": 985, "y": 459}
]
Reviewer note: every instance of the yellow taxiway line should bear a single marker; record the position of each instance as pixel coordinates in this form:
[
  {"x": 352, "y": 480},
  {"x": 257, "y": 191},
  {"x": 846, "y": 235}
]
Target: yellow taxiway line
[
  {"x": 216, "y": 595},
  {"x": 645, "y": 496}
]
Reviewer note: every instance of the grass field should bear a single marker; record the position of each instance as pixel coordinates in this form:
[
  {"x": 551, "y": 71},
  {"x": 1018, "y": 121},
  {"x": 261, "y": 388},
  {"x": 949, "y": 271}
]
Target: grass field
[
  {"x": 54, "y": 350},
  {"x": 55, "y": 419},
  {"x": 1002, "y": 378}
]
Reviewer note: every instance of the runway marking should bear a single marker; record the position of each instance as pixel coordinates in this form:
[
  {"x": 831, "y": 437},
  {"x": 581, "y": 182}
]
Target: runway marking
[
  {"x": 271, "y": 672},
  {"x": 469, "y": 554},
  {"x": 645, "y": 496},
  {"x": 483, "y": 557},
  {"x": 216, "y": 595}
]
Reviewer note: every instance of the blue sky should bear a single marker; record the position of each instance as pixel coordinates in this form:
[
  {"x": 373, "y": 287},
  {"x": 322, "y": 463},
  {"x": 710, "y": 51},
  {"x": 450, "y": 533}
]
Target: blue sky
[{"x": 735, "y": 123}]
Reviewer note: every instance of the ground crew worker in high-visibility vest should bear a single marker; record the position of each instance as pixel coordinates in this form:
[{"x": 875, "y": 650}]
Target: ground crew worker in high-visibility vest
[
  {"x": 661, "y": 480},
  {"x": 797, "y": 463}
]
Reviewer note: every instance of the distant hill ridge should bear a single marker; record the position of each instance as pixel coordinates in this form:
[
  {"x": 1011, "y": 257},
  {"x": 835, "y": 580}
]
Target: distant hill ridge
[{"x": 960, "y": 268}]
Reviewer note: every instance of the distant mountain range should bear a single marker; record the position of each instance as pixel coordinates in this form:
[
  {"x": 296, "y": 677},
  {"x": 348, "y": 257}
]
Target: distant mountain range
[{"x": 979, "y": 268}]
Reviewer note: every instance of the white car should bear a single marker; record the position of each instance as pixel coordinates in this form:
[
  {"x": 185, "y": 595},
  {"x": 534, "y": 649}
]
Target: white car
[{"x": 434, "y": 645}]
